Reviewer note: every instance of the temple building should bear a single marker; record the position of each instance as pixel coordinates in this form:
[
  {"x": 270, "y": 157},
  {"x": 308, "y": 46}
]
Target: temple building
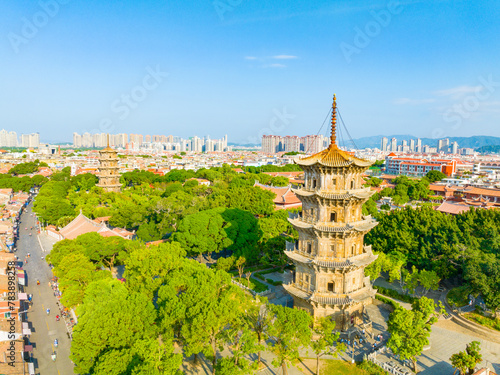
[
  {"x": 108, "y": 172},
  {"x": 330, "y": 256}
]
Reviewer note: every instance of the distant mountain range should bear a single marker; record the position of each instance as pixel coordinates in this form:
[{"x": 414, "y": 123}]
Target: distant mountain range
[{"x": 475, "y": 142}]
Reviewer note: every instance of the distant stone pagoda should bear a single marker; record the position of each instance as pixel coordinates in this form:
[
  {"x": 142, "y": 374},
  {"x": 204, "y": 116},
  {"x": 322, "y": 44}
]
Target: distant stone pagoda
[
  {"x": 108, "y": 172},
  {"x": 330, "y": 256}
]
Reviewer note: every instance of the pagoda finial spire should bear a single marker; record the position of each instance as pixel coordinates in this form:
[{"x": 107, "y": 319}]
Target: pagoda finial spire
[
  {"x": 333, "y": 137},
  {"x": 108, "y": 139}
]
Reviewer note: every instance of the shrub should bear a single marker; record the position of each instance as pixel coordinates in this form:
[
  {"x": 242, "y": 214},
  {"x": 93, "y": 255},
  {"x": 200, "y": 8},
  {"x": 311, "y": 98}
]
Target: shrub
[
  {"x": 394, "y": 294},
  {"x": 387, "y": 301},
  {"x": 371, "y": 368},
  {"x": 458, "y": 296}
]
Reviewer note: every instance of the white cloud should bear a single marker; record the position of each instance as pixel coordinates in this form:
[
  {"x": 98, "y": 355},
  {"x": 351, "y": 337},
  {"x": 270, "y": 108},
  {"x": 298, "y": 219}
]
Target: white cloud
[
  {"x": 413, "y": 101},
  {"x": 276, "y": 66},
  {"x": 459, "y": 92},
  {"x": 250, "y": 58},
  {"x": 285, "y": 57}
]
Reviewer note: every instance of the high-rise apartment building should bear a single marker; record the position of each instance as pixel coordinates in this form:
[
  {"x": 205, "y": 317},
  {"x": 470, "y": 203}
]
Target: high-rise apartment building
[
  {"x": 443, "y": 145},
  {"x": 394, "y": 144},
  {"x": 30, "y": 140},
  {"x": 292, "y": 143},
  {"x": 385, "y": 143},
  {"x": 8, "y": 139},
  {"x": 312, "y": 144},
  {"x": 272, "y": 144},
  {"x": 412, "y": 145},
  {"x": 77, "y": 140}
]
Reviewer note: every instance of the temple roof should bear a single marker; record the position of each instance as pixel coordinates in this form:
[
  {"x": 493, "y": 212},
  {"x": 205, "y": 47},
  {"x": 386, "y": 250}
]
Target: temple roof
[{"x": 333, "y": 156}]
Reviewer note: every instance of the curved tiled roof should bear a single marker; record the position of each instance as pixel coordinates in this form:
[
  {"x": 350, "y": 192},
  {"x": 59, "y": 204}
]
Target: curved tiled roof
[{"x": 333, "y": 156}]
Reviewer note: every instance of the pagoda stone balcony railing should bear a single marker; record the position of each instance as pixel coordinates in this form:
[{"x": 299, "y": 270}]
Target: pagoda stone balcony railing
[
  {"x": 360, "y": 260},
  {"x": 299, "y": 220}
]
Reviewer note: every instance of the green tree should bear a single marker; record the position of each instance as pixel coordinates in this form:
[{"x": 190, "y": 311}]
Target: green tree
[
  {"x": 326, "y": 339},
  {"x": 225, "y": 264},
  {"x": 103, "y": 251},
  {"x": 259, "y": 320},
  {"x": 429, "y": 280},
  {"x": 147, "y": 267},
  {"x": 410, "y": 329},
  {"x": 126, "y": 341},
  {"x": 149, "y": 232},
  {"x": 280, "y": 181},
  {"x": 203, "y": 232},
  {"x": 25, "y": 168},
  {"x": 212, "y": 305},
  {"x": 290, "y": 330},
  {"x": 85, "y": 181},
  {"x": 466, "y": 361},
  {"x": 434, "y": 176},
  {"x": 75, "y": 273}
]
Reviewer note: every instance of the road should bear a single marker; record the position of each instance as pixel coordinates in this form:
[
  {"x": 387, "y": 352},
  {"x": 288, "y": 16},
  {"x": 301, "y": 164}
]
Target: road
[{"x": 44, "y": 327}]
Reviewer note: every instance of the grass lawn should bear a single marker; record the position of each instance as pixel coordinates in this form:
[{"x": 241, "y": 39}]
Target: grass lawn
[
  {"x": 458, "y": 296},
  {"x": 337, "y": 367},
  {"x": 255, "y": 285},
  {"x": 483, "y": 320}
]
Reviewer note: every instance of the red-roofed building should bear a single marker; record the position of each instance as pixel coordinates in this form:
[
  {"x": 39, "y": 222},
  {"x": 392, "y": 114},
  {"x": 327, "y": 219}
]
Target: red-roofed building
[
  {"x": 453, "y": 208},
  {"x": 82, "y": 224},
  {"x": 285, "y": 197},
  {"x": 471, "y": 195}
]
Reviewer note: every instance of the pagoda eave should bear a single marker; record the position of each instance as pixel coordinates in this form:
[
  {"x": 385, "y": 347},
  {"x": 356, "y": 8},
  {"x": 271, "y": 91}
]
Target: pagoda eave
[
  {"x": 356, "y": 194},
  {"x": 293, "y": 290}
]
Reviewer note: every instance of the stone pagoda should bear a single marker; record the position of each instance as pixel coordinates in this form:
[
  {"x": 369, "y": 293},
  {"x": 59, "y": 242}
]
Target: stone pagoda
[
  {"x": 108, "y": 172},
  {"x": 330, "y": 256}
]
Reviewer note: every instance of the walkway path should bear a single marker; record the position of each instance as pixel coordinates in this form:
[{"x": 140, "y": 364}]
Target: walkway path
[{"x": 447, "y": 338}]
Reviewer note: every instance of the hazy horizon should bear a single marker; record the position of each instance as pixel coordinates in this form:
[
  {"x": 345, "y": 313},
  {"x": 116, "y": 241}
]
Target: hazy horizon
[{"x": 249, "y": 69}]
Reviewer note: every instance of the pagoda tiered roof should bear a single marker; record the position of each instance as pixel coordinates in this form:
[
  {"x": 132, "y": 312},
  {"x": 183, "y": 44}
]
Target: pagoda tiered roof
[
  {"x": 342, "y": 299},
  {"x": 333, "y": 156},
  {"x": 357, "y": 261},
  {"x": 360, "y": 226},
  {"x": 343, "y": 194}
]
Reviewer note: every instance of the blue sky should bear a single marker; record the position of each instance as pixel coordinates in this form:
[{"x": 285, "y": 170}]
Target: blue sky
[{"x": 247, "y": 68}]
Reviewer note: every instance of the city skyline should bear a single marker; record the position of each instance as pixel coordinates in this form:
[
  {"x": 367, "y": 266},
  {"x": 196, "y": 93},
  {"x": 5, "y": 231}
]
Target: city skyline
[{"x": 73, "y": 67}]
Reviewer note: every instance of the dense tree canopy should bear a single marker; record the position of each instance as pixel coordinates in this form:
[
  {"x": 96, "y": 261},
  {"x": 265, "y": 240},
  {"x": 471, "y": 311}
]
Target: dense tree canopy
[
  {"x": 27, "y": 168},
  {"x": 467, "y": 245}
]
